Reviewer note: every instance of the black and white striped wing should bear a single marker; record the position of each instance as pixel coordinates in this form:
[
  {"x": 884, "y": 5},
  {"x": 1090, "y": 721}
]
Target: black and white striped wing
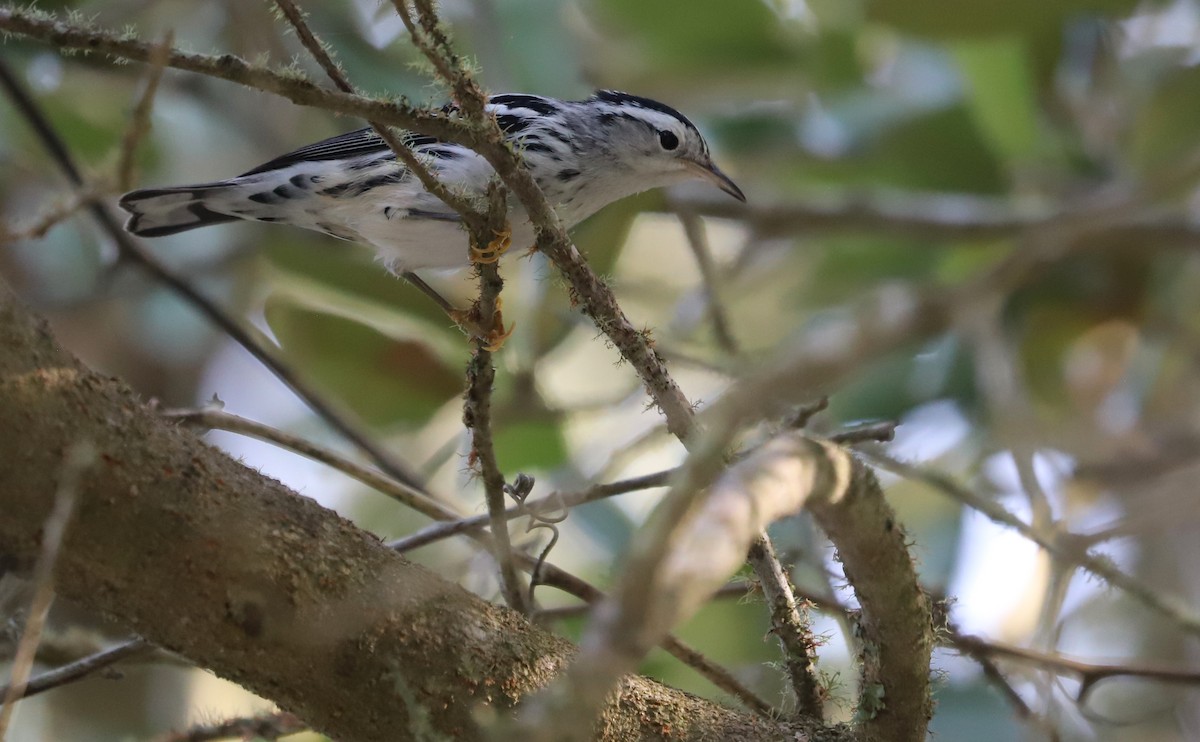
[{"x": 349, "y": 146}]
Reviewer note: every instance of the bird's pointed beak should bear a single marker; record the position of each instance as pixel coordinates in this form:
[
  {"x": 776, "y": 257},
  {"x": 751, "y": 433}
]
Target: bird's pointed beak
[{"x": 713, "y": 174}]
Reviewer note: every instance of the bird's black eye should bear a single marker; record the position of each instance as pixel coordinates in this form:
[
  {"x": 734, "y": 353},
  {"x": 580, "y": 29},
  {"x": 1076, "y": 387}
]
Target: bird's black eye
[{"x": 668, "y": 140}]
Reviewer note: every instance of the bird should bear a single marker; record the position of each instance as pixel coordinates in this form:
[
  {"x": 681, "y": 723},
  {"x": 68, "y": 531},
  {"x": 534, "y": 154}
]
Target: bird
[{"x": 583, "y": 154}]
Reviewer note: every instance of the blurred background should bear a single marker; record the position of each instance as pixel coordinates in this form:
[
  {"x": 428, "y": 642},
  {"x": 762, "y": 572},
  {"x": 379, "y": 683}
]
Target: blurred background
[{"x": 914, "y": 143}]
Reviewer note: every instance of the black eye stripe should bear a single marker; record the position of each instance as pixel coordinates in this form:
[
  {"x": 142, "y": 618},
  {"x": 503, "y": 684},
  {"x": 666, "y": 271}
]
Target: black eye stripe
[{"x": 668, "y": 140}]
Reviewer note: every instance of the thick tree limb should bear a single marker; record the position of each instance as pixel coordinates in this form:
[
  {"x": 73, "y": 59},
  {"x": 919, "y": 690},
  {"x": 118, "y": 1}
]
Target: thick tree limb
[{"x": 206, "y": 557}]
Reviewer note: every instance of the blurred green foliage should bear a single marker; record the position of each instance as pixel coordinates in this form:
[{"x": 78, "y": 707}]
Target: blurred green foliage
[{"x": 1032, "y": 103}]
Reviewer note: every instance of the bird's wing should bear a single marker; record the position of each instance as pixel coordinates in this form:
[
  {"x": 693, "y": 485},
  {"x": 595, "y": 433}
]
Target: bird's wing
[{"x": 352, "y": 144}]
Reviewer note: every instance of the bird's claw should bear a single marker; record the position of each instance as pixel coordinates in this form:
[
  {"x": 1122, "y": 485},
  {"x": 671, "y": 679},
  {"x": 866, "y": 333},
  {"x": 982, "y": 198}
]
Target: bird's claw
[
  {"x": 491, "y": 335},
  {"x": 496, "y": 248},
  {"x": 495, "y": 338}
]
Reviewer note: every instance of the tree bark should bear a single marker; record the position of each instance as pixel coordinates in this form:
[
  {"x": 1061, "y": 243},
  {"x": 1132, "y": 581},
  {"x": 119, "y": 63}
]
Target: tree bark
[{"x": 210, "y": 559}]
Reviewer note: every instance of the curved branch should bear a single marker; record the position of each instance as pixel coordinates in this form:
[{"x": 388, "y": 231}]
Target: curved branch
[{"x": 678, "y": 564}]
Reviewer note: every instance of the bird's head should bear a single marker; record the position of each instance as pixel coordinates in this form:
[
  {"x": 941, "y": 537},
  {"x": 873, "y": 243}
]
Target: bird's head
[{"x": 654, "y": 140}]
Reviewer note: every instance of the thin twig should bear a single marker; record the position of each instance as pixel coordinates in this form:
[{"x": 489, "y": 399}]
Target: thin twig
[
  {"x": 431, "y": 40},
  {"x": 76, "y": 461},
  {"x": 270, "y": 726},
  {"x": 999, "y": 377},
  {"x": 714, "y": 673},
  {"x": 799, "y": 418},
  {"x": 717, "y": 675},
  {"x": 735, "y": 589},
  {"x": 993, "y": 674},
  {"x": 697, "y": 239},
  {"x": 406, "y": 495},
  {"x": 139, "y": 120},
  {"x": 1062, "y": 545},
  {"x": 439, "y": 531},
  {"x": 477, "y": 404},
  {"x": 1089, "y": 674},
  {"x": 83, "y": 667},
  {"x": 66, "y": 35},
  {"x": 867, "y": 432},
  {"x": 927, "y": 217},
  {"x": 471, "y": 215},
  {"x": 790, "y": 624},
  {"x": 133, "y": 251},
  {"x": 50, "y": 218}
]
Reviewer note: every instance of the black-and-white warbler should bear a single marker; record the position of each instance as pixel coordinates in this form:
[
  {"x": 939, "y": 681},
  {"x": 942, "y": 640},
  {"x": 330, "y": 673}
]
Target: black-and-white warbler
[{"x": 583, "y": 154}]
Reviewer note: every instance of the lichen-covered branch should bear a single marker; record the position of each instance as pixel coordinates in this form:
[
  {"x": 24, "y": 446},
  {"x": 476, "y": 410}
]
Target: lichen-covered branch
[
  {"x": 791, "y": 627},
  {"x": 895, "y": 699},
  {"x": 676, "y": 565}
]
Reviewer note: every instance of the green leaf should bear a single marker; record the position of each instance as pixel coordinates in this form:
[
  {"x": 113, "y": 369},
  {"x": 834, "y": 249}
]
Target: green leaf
[
  {"x": 1166, "y": 127},
  {"x": 698, "y": 36},
  {"x": 384, "y": 380},
  {"x": 349, "y": 269},
  {"x": 942, "y": 150},
  {"x": 960, "y": 262},
  {"x": 1000, "y": 93},
  {"x": 530, "y": 444},
  {"x": 958, "y": 18}
]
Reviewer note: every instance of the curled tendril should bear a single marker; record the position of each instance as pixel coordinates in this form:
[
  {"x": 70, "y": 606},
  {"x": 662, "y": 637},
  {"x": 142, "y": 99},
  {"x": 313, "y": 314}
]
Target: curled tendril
[{"x": 540, "y": 517}]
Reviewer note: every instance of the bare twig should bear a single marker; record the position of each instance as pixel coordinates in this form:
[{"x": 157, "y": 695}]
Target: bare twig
[
  {"x": 139, "y": 120},
  {"x": 477, "y": 412},
  {"x": 83, "y": 667},
  {"x": 1089, "y": 674},
  {"x": 999, "y": 377},
  {"x": 50, "y": 218},
  {"x": 714, "y": 673},
  {"x": 789, "y": 623},
  {"x": 77, "y": 460},
  {"x": 717, "y": 675},
  {"x": 1062, "y": 546},
  {"x": 66, "y": 35},
  {"x": 693, "y": 229},
  {"x": 406, "y": 495},
  {"x": 799, "y": 418},
  {"x": 471, "y": 215},
  {"x": 735, "y": 589},
  {"x": 925, "y": 216},
  {"x": 439, "y": 531},
  {"x": 993, "y": 674},
  {"x": 873, "y": 432},
  {"x": 270, "y": 726}
]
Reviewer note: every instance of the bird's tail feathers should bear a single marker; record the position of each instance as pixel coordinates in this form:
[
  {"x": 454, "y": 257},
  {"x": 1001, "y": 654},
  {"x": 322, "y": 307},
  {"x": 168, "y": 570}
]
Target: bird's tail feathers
[{"x": 156, "y": 212}]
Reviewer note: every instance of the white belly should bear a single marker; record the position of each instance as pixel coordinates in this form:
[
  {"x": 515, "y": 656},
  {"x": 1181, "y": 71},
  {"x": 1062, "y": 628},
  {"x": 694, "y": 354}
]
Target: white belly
[{"x": 417, "y": 244}]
